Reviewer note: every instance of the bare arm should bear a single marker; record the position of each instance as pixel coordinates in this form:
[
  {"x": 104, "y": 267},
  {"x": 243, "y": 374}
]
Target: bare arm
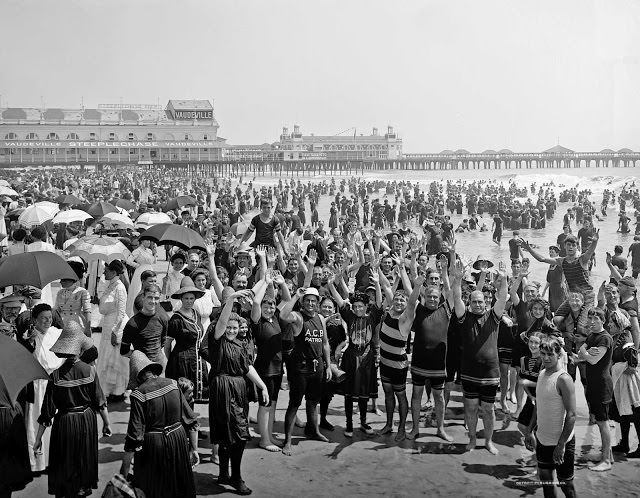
[
  {"x": 584, "y": 258},
  {"x": 501, "y": 294},
  {"x": 539, "y": 257},
  {"x": 568, "y": 392}
]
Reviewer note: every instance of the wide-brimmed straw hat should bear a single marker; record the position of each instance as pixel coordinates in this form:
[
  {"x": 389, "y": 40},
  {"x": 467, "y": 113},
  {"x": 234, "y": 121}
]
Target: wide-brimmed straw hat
[
  {"x": 139, "y": 363},
  {"x": 482, "y": 259},
  {"x": 187, "y": 287},
  {"x": 72, "y": 341}
]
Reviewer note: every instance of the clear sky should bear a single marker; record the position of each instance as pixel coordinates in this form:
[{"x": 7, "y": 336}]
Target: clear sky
[{"x": 476, "y": 74}]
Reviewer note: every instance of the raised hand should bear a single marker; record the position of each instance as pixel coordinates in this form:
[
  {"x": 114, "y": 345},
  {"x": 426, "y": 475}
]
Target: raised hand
[
  {"x": 277, "y": 277},
  {"x": 458, "y": 271},
  {"x": 373, "y": 276},
  {"x": 525, "y": 244},
  {"x": 211, "y": 249},
  {"x": 261, "y": 251},
  {"x": 418, "y": 281},
  {"x": 312, "y": 257},
  {"x": 271, "y": 256}
]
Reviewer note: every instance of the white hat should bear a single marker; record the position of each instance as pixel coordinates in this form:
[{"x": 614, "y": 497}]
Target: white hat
[{"x": 311, "y": 291}]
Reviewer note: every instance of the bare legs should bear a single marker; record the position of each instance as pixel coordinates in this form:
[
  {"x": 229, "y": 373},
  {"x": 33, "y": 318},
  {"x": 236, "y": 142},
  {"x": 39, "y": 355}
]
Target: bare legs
[
  {"x": 390, "y": 405},
  {"x": 473, "y": 408}
]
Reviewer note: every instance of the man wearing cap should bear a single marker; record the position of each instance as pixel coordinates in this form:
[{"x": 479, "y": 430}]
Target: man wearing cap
[
  {"x": 10, "y": 307},
  {"x": 310, "y": 360}
]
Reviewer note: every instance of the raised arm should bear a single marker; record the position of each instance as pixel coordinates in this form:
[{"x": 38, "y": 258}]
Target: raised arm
[
  {"x": 258, "y": 294},
  {"x": 537, "y": 256},
  {"x": 501, "y": 294},
  {"x": 456, "y": 289},
  {"x": 213, "y": 274},
  {"x": 584, "y": 258},
  {"x": 334, "y": 292}
]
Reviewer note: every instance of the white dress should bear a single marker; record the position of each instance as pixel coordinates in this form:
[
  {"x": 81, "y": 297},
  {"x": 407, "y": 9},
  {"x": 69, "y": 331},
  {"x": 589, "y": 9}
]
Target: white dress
[
  {"x": 204, "y": 305},
  {"x": 50, "y": 362},
  {"x": 113, "y": 368}
]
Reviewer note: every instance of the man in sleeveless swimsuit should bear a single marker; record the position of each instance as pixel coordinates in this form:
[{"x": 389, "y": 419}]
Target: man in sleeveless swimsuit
[
  {"x": 394, "y": 332},
  {"x": 480, "y": 371},
  {"x": 428, "y": 361},
  {"x": 310, "y": 361},
  {"x": 555, "y": 417}
]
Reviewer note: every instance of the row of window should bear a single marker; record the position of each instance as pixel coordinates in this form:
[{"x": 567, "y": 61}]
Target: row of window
[{"x": 92, "y": 136}]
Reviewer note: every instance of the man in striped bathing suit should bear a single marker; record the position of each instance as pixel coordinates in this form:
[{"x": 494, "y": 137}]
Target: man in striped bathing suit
[
  {"x": 480, "y": 370},
  {"x": 394, "y": 331}
]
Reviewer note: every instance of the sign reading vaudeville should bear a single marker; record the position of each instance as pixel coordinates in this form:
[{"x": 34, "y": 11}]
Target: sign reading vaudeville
[
  {"x": 50, "y": 144},
  {"x": 193, "y": 114}
]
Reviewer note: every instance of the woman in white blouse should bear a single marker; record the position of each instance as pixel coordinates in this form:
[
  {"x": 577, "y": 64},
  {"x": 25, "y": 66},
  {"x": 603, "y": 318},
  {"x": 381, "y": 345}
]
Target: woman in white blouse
[
  {"x": 206, "y": 303},
  {"x": 113, "y": 368},
  {"x": 41, "y": 337}
]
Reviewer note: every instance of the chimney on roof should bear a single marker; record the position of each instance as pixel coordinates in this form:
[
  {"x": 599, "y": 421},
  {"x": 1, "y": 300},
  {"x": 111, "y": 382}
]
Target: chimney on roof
[
  {"x": 375, "y": 132},
  {"x": 390, "y": 130},
  {"x": 296, "y": 129}
]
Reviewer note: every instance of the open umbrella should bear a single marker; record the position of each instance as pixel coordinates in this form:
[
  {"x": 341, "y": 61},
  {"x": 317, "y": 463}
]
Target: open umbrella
[
  {"x": 68, "y": 199},
  {"x": 179, "y": 202},
  {"x": 146, "y": 220},
  {"x": 4, "y": 183},
  {"x": 18, "y": 367},
  {"x": 99, "y": 209},
  {"x": 116, "y": 220},
  {"x": 174, "y": 235},
  {"x": 97, "y": 247},
  {"x": 37, "y": 268},
  {"x": 124, "y": 204},
  {"x": 7, "y": 191},
  {"x": 51, "y": 206},
  {"x": 70, "y": 216},
  {"x": 35, "y": 215}
]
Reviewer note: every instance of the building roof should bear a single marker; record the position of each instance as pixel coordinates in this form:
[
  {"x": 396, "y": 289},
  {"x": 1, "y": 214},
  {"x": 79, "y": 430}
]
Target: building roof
[
  {"x": 348, "y": 139},
  {"x": 558, "y": 149},
  {"x": 505, "y": 151},
  {"x": 447, "y": 152},
  {"x": 190, "y": 105},
  {"x": 489, "y": 151},
  {"x": 606, "y": 151},
  {"x": 462, "y": 151},
  {"x": 625, "y": 151}
]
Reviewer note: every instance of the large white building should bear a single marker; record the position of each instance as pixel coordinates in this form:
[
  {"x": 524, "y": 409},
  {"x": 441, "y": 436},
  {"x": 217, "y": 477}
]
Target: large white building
[
  {"x": 298, "y": 147},
  {"x": 183, "y": 131}
]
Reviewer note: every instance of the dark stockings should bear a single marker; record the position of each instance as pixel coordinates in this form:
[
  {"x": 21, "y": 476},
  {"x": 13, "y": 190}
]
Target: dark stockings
[
  {"x": 348, "y": 410},
  {"x": 231, "y": 453}
]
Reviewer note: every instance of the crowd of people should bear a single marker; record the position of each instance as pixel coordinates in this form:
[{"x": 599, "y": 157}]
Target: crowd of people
[{"x": 378, "y": 295}]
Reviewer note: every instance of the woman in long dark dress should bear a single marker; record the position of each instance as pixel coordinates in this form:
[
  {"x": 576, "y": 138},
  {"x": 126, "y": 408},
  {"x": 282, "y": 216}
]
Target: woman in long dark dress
[
  {"x": 158, "y": 423},
  {"x": 185, "y": 328},
  {"x": 15, "y": 467},
  {"x": 228, "y": 402},
  {"x": 71, "y": 400}
]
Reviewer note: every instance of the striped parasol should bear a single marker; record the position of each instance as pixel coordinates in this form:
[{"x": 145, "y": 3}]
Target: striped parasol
[
  {"x": 147, "y": 220},
  {"x": 116, "y": 220},
  {"x": 35, "y": 215},
  {"x": 97, "y": 247},
  {"x": 70, "y": 216}
]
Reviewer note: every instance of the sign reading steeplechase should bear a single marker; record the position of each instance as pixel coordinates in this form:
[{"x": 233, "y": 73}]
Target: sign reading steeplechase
[
  {"x": 50, "y": 144},
  {"x": 193, "y": 114}
]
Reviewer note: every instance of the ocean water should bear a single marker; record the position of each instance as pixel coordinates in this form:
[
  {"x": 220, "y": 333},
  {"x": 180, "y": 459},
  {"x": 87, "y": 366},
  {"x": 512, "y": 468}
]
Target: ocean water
[{"x": 473, "y": 244}]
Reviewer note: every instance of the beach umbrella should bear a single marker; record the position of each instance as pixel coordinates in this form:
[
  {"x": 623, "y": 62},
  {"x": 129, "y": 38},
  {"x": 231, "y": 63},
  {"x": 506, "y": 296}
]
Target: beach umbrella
[
  {"x": 18, "y": 367},
  {"x": 97, "y": 247},
  {"x": 37, "y": 268},
  {"x": 35, "y": 215},
  {"x": 68, "y": 199},
  {"x": 70, "y": 216},
  {"x": 124, "y": 204},
  {"x": 4, "y": 183},
  {"x": 51, "y": 206},
  {"x": 179, "y": 202},
  {"x": 174, "y": 235},
  {"x": 99, "y": 209},
  {"x": 116, "y": 220},
  {"x": 146, "y": 220},
  {"x": 4, "y": 190}
]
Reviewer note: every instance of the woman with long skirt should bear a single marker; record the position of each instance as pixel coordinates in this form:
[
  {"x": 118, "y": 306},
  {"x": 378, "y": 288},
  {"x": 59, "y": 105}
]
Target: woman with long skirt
[
  {"x": 228, "y": 402},
  {"x": 40, "y": 337},
  {"x": 113, "y": 368},
  {"x": 185, "y": 329},
  {"x": 72, "y": 398},
  {"x": 15, "y": 467},
  {"x": 162, "y": 433}
]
